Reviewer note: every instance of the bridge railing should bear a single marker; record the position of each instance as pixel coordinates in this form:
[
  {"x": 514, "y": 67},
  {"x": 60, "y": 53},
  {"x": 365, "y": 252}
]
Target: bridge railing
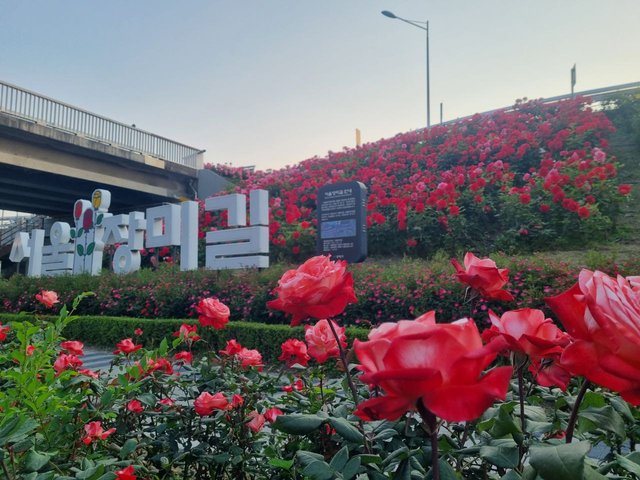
[
  {"x": 597, "y": 95},
  {"x": 47, "y": 111}
]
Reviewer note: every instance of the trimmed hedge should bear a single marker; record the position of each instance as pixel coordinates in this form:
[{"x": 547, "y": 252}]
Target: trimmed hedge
[{"x": 107, "y": 331}]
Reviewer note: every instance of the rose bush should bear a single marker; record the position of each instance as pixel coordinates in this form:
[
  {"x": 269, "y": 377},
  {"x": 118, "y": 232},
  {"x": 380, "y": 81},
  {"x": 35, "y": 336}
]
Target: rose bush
[
  {"x": 420, "y": 399},
  {"x": 531, "y": 178}
]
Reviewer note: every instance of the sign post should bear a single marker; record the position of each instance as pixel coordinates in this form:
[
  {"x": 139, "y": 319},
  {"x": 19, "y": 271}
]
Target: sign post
[{"x": 342, "y": 225}]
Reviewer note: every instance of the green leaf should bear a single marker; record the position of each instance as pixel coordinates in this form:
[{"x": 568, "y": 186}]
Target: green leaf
[
  {"x": 90, "y": 248},
  {"x": 318, "y": 470},
  {"x": 281, "y": 463},
  {"x": 16, "y": 429},
  {"x": 346, "y": 430},
  {"x": 622, "y": 408},
  {"x": 80, "y": 249},
  {"x": 591, "y": 474},
  {"x": 298, "y": 424},
  {"x": 351, "y": 468},
  {"x": 366, "y": 459},
  {"x": 99, "y": 219},
  {"x": 148, "y": 399},
  {"x": 128, "y": 447},
  {"x": 560, "y": 462},
  {"x": 164, "y": 346},
  {"x": 72, "y": 233},
  {"x": 504, "y": 456},
  {"x": 340, "y": 459},
  {"x": 35, "y": 461},
  {"x": 91, "y": 473},
  {"x": 605, "y": 418},
  {"x": 629, "y": 465},
  {"x": 306, "y": 458},
  {"x": 505, "y": 424}
]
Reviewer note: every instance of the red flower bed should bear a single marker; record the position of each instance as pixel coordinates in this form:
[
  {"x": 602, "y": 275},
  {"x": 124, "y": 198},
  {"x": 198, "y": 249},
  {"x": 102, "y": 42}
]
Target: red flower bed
[{"x": 533, "y": 177}]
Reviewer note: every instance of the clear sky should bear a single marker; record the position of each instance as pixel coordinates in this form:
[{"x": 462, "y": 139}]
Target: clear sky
[{"x": 273, "y": 82}]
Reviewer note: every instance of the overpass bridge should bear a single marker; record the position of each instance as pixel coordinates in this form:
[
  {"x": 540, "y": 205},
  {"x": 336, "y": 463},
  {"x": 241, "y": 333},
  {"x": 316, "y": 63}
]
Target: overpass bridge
[{"x": 52, "y": 154}]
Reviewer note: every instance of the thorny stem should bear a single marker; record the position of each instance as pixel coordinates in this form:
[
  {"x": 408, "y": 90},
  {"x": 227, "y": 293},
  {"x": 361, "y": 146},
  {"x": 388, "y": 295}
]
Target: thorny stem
[
  {"x": 574, "y": 413},
  {"x": 431, "y": 425},
  {"x": 354, "y": 391}
]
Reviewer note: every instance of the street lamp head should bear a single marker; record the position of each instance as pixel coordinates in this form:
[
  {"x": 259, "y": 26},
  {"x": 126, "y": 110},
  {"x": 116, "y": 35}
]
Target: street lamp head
[{"x": 389, "y": 14}]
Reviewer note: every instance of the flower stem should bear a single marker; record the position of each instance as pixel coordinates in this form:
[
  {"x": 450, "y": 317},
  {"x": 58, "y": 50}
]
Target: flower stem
[
  {"x": 430, "y": 422},
  {"x": 523, "y": 425},
  {"x": 343, "y": 357},
  {"x": 354, "y": 391},
  {"x": 574, "y": 413}
]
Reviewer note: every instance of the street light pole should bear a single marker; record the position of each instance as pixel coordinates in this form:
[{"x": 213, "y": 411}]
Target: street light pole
[{"x": 425, "y": 27}]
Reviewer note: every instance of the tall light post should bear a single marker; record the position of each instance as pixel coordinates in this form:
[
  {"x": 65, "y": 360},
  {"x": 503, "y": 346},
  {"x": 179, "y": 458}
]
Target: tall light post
[{"x": 423, "y": 26}]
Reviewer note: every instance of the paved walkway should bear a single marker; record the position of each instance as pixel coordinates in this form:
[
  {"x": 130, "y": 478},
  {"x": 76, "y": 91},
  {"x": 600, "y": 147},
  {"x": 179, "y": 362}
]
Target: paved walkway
[{"x": 96, "y": 359}]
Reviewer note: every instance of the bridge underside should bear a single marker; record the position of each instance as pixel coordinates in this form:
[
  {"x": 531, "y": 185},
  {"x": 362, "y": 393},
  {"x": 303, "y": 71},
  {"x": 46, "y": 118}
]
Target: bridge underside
[{"x": 45, "y": 170}]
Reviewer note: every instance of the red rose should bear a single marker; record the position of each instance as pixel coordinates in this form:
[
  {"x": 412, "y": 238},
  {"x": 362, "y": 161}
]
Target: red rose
[
  {"x": 206, "y": 403},
  {"x": 322, "y": 343},
  {"x": 126, "y": 474},
  {"x": 250, "y": 358},
  {"x": 236, "y": 400},
  {"x": 3, "y": 332},
  {"x": 188, "y": 333},
  {"x": 549, "y": 373},
  {"x": 319, "y": 288},
  {"x": 257, "y": 421},
  {"x": 527, "y": 331},
  {"x": 484, "y": 276},
  {"x": 126, "y": 346},
  {"x": 271, "y": 414},
  {"x": 294, "y": 351},
  {"x": 603, "y": 315},
  {"x": 233, "y": 347},
  {"x": 186, "y": 357},
  {"x": 135, "y": 406},
  {"x": 65, "y": 361},
  {"x": 48, "y": 298},
  {"x": 73, "y": 346},
  {"x": 94, "y": 431},
  {"x": 624, "y": 189},
  {"x": 213, "y": 313},
  {"x": 439, "y": 364}
]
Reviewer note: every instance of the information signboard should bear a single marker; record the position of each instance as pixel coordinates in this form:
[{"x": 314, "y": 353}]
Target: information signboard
[{"x": 342, "y": 225}]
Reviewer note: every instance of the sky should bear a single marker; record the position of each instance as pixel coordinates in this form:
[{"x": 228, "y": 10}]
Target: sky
[{"x": 270, "y": 83}]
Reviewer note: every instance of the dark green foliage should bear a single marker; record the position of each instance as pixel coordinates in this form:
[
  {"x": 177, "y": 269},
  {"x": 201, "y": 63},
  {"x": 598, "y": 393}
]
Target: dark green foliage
[{"x": 107, "y": 331}]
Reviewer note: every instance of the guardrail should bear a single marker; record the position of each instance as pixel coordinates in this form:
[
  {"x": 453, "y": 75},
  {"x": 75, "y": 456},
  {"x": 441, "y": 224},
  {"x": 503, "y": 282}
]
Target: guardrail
[
  {"x": 597, "y": 95},
  {"x": 21, "y": 224},
  {"x": 52, "y": 113}
]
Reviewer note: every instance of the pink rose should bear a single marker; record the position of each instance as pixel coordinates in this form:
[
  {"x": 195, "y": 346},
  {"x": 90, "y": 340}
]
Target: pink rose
[
  {"x": 603, "y": 315},
  {"x": 48, "y": 298},
  {"x": 294, "y": 351},
  {"x": 213, "y": 313},
  {"x": 322, "y": 343},
  {"x": 126, "y": 346},
  {"x": 250, "y": 358},
  {"x": 206, "y": 403},
  {"x": 483, "y": 276},
  {"x": 257, "y": 421},
  {"x": 527, "y": 331},
  {"x": 319, "y": 288},
  {"x": 441, "y": 365},
  {"x": 73, "y": 346}
]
